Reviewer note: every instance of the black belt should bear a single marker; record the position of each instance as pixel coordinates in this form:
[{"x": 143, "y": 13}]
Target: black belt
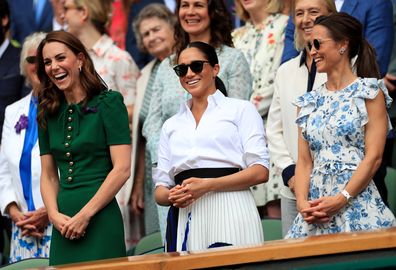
[
  {"x": 204, "y": 173},
  {"x": 173, "y": 214}
]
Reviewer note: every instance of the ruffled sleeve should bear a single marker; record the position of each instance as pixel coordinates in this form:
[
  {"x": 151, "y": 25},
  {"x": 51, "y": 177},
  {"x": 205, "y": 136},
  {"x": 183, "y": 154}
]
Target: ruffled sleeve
[
  {"x": 307, "y": 104},
  {"x": 369, "y": 88},
  {"x": 115, "y": 118}
]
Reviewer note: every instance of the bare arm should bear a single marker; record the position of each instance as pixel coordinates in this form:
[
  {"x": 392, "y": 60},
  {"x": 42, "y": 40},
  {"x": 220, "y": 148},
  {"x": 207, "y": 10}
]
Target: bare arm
[
  {"x": 49, "y": 186},
  {"x": 162, "y": 195},
  {"x": 303, "y": 172},
  {"x": 137, "y": 196},
  {"x": 121, "y": 159},
  {"x": 375, "y": 137}
]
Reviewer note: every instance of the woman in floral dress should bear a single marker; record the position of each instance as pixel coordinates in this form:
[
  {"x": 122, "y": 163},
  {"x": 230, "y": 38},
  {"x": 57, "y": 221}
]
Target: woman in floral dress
[
  {"x": 343, "y": 127},
  {"x": 261, "y": 40}
]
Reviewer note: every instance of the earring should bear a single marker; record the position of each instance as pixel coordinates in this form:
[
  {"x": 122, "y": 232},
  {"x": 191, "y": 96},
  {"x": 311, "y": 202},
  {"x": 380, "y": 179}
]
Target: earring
[
  {"x": 342, "y": 50},
  {"x": 79, "y": 68}
]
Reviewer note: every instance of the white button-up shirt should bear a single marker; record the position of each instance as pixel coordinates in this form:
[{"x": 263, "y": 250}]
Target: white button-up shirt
[{"x": 229, "y": 134}]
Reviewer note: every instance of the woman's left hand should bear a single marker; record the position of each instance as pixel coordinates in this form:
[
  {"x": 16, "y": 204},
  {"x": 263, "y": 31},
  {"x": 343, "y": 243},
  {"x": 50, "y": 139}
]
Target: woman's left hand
[
  {"x": 34, "y": 223},
  {"x": 330, "y": 205},
  {"x": 75, "y": 227}
]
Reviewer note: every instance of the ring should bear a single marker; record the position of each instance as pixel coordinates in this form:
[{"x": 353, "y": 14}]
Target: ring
[{"x": 72, "y": 237}]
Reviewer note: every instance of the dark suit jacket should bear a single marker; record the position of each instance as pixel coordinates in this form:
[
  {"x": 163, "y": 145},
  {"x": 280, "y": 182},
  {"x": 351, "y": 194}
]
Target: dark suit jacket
[
  {"x": 23, "y": 22},
  {"x": 11, "y": 82},
  {"x": 376, "y": 18}
]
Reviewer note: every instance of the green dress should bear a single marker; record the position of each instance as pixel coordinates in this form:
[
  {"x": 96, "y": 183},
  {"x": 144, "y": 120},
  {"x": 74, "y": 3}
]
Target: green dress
[{"x": 79, "y": 137}]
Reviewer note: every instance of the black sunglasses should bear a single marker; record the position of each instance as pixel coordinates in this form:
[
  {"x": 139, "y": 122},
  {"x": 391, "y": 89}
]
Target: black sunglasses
[
  {"x": 196, "y": 66},
  {"x": 316, "y": 43},
  {"x": 31, "y": 59}
]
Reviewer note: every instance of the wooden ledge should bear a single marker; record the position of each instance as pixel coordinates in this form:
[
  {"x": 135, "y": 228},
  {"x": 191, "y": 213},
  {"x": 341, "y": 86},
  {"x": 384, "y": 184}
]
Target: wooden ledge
[{"x": 268, "y": 251}]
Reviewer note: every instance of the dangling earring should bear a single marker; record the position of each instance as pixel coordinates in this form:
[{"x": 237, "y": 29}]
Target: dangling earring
[
  {"x": 342, "y": 50},
  {"x": 79, "y": 68}
]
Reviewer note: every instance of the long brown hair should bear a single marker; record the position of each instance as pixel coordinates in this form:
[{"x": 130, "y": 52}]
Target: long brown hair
[
  {"x": 220, "y": 26},
  {"x": 342, "y": 26},
  {"x": 49, "y": 95}
]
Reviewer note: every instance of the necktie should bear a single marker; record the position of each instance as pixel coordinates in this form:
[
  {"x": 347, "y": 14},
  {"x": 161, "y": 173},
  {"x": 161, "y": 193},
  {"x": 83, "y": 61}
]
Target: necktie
[{"x": 39, "y": 7}]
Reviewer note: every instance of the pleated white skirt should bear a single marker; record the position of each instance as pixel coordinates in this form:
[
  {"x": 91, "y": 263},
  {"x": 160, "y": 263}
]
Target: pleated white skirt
[{"x": 219, "y": 218}]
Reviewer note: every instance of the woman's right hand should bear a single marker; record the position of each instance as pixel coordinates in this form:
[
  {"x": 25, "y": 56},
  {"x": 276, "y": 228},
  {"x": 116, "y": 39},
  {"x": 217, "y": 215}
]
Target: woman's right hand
[
  {"x": 179, "y": 197},
  {"x": 137, "y": 198},
  {"x": 15, "y": 214},
  {"x": 311, "y": 217},
  {"x": 58, "y": 220}
]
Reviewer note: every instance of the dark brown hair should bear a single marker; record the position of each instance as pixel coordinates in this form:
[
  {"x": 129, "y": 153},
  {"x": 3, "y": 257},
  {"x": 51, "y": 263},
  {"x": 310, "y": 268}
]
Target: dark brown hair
[
  {"x": 220, "y": 26},
  {"x": 342, "y": 26},
  {"x": 210, "y": 54},
  {"x": 49, "y": 95}
]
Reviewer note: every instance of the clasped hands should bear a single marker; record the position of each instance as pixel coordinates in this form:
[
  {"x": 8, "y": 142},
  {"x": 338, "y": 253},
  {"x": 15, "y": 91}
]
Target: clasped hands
[
  {"x": 320, "y": 211},
  {"x": 70, "y": 227},
  {"x": 31, "y": 223},
  {"x": 189, "y": 191}
]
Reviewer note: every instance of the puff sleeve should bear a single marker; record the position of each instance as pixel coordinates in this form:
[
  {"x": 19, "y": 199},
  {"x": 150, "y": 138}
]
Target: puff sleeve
[{"x": 115, "y": 118}]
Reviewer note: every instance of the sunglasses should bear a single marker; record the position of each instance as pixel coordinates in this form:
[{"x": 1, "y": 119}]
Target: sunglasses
[
  {"x": 195, "y": 66},
  {"x": 316, "y": 43},
  {"x": 31, "y": 59}
]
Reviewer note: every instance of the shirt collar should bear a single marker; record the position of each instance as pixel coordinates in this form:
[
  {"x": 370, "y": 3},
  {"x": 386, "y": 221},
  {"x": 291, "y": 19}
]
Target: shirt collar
[
  {"x": 4, "y": 46},
  {"x": 102, "y": 45},
  {"x": 216, "y": 99},
  {"x": 303, "y": 57}
]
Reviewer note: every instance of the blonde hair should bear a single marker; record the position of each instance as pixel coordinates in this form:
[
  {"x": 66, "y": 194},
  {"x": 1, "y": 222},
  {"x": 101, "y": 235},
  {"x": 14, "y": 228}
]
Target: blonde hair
[
  {"x": 273, "y": 6},
  {"x": 298, "y": 39},
  {"x": 99, "y": 12}
]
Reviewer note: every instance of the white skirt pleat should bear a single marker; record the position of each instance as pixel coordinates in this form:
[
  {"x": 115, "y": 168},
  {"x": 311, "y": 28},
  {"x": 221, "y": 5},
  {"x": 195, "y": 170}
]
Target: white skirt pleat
[{"x": 220, "y": 218}]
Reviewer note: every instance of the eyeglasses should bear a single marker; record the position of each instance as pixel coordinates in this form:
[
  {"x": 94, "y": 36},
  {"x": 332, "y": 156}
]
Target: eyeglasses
[
  {"x": 31, "y": 59},
  {"x": 316, "y": 43},
  {"x": 196, "y": 66}
]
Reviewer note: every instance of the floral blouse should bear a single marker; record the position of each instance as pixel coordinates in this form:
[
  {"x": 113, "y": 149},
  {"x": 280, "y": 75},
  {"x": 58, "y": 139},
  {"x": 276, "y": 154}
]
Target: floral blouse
[
  {"x": 262, "y": 46},
  {"x": 116, "y": 67}
]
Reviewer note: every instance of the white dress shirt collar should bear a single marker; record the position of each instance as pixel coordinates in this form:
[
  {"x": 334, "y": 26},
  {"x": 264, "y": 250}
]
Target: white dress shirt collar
[
  {"x": 339, "y": 4},
  {"x": 4, "y": 46},
  {"x": 216, "y": 99}
]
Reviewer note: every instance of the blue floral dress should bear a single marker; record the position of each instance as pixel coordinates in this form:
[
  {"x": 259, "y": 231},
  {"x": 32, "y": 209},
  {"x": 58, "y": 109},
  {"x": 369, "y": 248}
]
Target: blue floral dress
[{"x": 333, "y": 123}]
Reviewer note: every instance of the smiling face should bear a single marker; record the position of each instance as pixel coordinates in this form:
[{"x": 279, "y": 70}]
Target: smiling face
[
  {"x": 157, "y": 37},
  {"x": 62, "y": 66},
  {"x": 306, "y": 12},
  {"x": 194, "y": 19},
  {"x": 328, "y": 55},
  {"x": 202, "y": 84}
]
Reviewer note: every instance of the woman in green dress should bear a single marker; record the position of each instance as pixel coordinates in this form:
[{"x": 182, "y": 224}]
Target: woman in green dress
[{"x": 84, "y": 135}]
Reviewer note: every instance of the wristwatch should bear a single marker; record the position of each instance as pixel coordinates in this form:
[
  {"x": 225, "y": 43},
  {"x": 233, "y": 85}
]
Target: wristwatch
[{"x": 347, "y": 196}]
